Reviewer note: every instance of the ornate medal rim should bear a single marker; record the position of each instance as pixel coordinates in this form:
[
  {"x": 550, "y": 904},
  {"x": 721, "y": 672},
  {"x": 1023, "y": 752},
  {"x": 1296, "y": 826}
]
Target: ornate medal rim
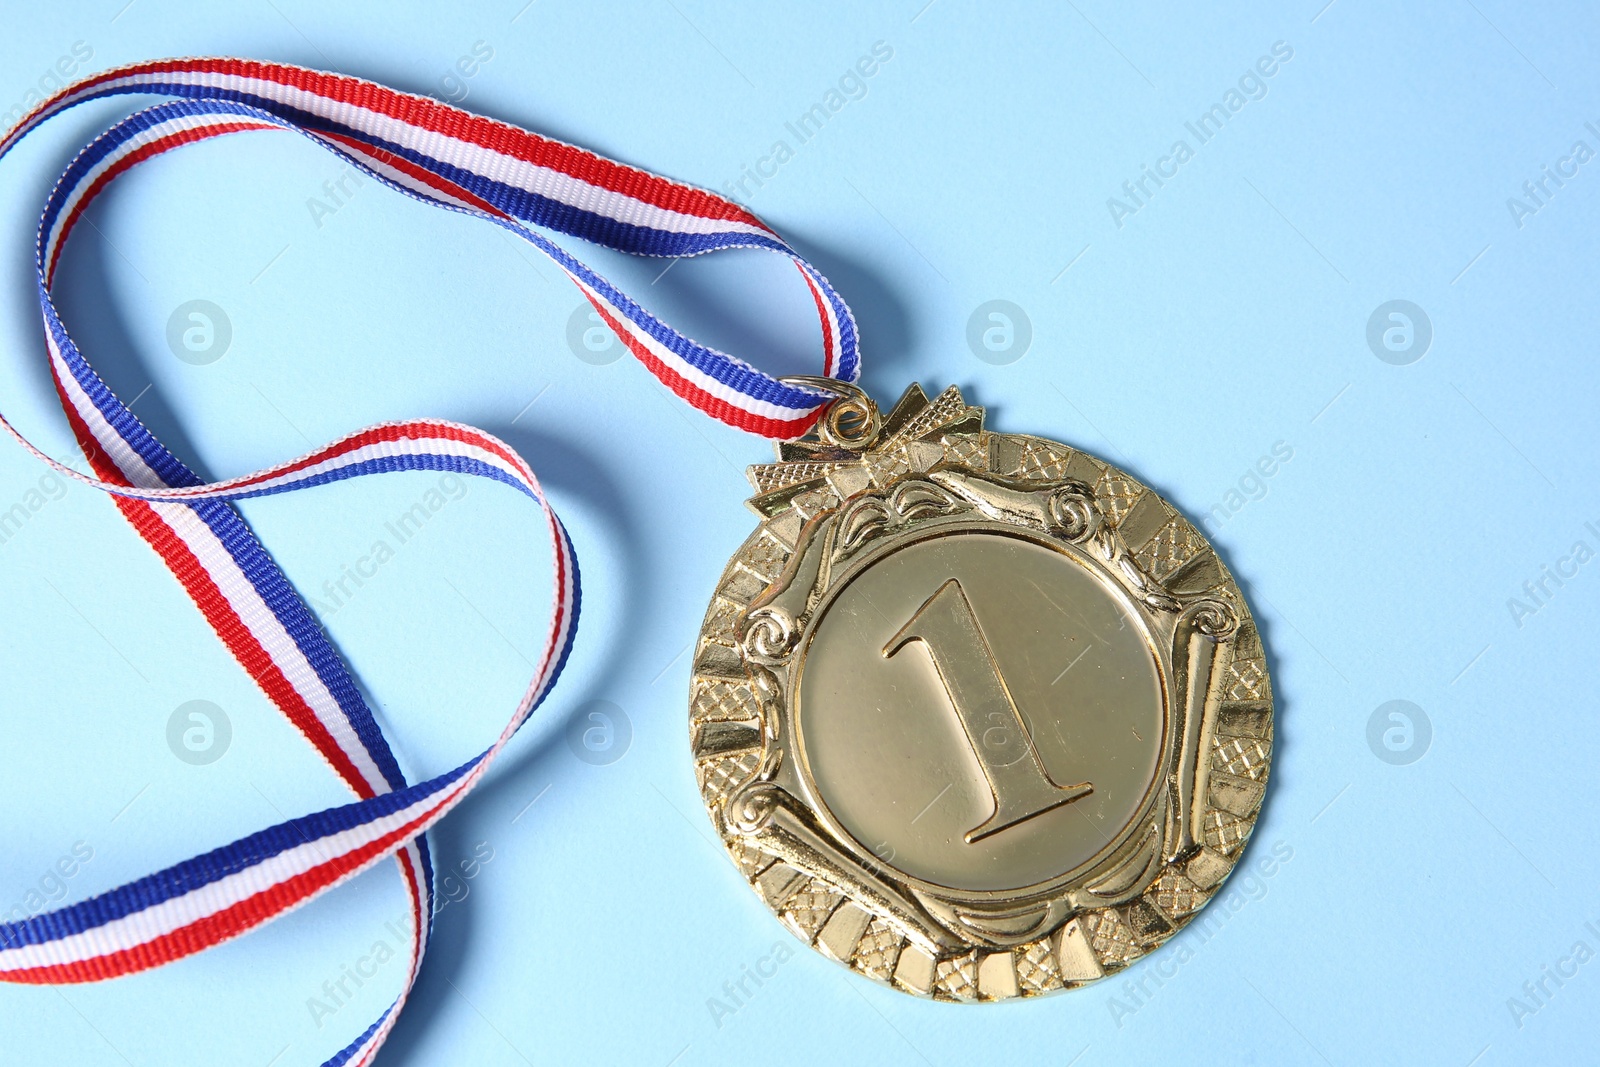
[{"x": 831, "y": 509}]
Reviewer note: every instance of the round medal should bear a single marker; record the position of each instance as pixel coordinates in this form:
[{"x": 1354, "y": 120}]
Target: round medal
[{"x": 977, "y": 714}]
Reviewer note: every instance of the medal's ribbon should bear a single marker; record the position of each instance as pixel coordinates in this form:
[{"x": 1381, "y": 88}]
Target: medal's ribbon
[{"x": 452, "y": 159}]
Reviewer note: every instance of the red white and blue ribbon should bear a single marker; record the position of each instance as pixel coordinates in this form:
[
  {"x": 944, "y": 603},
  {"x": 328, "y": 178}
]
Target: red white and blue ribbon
[{"x": 456, "y": 160}]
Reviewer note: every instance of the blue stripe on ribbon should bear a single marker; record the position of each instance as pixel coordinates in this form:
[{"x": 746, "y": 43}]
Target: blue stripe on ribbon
[
  {"x": 404, "y": 461},
  {"x": 253, "y": 559},
  {"x": 219, "y": 863},
  {"x": 258, "y": 566},
  {"x": 537, "y": 210},
  {"x": 343, "y": 1056}
]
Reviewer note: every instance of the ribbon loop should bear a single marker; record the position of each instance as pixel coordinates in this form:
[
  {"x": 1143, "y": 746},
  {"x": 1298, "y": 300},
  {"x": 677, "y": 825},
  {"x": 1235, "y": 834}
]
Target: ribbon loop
[
  {"x": 465, "y": 162},
  {"x": 461, "y": 162}
]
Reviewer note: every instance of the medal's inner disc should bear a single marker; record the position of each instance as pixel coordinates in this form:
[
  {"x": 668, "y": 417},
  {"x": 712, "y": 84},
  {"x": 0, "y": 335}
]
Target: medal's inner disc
[{"x": 908, "y": 739}]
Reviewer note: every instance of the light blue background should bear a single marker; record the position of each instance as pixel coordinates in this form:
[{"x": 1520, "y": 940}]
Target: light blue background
[{"x": 1225, "y": 316}]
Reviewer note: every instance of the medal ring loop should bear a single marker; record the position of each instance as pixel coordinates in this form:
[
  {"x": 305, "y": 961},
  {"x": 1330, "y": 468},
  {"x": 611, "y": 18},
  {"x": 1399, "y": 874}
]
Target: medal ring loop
[{"x": 851, "y": 420}]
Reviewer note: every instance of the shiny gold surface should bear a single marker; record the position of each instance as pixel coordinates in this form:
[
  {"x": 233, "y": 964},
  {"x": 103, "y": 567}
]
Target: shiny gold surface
[
  {"x": 905, "y": 766},
  {"x": 977, "y": 715}
]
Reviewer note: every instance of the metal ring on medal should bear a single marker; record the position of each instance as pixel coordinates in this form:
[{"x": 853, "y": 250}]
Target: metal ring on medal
[{"x": 976, "y": 714}]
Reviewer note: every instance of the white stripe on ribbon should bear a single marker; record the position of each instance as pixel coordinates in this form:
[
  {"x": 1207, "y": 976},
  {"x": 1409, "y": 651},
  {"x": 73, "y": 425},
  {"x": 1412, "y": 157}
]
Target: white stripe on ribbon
[
  {"x": 122, "y": 151},
  {"x": 402, "y": 178},
  {"x": 681, "y": 367},
  {"x": 498, "y": 166},
  {"x": 156, "y": 921},
  {"x": 263, "y": 630},
  {"x": 121, "y": 454},
  {"x": 270, "y": 634}
]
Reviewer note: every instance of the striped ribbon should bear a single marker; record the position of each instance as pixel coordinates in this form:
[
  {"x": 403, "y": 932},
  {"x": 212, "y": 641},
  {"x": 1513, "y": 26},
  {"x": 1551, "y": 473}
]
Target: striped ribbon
[{"x": 455, "y": 160}]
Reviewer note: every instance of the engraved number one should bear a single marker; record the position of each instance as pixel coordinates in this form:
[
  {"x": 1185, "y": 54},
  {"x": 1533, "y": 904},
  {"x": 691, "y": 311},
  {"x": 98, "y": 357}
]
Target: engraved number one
[{"x": 999, "y": 738}]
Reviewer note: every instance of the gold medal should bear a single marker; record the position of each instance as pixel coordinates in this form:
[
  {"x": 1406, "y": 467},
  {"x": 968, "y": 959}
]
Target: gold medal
[{"x": 978, "y": 715}]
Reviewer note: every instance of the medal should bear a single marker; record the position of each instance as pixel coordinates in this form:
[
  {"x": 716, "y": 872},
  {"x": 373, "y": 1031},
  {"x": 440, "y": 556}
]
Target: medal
[
  {"x": 1012, "y": 627},
  {"x": 976, "y": 714}
]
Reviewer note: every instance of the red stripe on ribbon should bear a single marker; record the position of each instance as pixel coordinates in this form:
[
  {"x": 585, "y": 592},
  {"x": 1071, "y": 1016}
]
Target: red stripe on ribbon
[
  {"x": 219, "y": 613},
  {"x": 420, "y": 174},
  {"x": 475, "y": 129},
  {"x": 715, "y": 406},
  {"x": 419, "y": 430},
  {"x": 133, "y": 159},
  {"x": 830, "y": 363},
  {"x": 233, "y": 920}
]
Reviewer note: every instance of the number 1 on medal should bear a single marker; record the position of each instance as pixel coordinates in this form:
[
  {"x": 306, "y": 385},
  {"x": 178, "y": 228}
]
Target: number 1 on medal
[{"x": 945, "y": 623}]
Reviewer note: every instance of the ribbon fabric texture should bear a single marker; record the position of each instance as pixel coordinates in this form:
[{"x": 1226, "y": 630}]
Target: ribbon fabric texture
[{"x": 452, "y": 159}]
